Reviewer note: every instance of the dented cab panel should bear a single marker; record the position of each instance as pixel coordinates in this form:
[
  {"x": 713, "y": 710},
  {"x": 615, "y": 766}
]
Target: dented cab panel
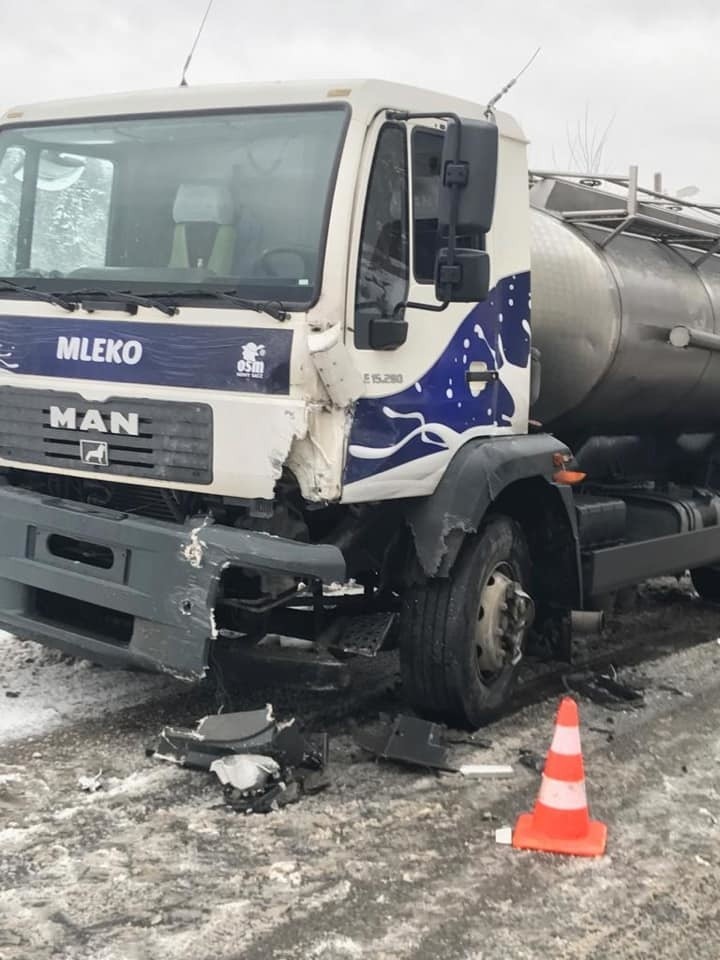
[{"x": 107, "y": 397}]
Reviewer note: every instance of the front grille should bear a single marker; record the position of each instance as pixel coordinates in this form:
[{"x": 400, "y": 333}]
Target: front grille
[
  {"x": 174, "y": 440},
  {"x": 157, "y": 503}
]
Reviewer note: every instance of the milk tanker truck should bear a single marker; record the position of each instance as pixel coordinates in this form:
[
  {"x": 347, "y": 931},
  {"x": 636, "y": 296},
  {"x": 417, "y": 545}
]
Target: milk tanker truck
[{"x": 271, "y": 366}]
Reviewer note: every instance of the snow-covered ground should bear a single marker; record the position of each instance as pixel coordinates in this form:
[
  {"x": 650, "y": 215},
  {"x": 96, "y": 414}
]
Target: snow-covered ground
[
  {"x": 389, "y": 863},
  {"x": 41, "y": 689}
]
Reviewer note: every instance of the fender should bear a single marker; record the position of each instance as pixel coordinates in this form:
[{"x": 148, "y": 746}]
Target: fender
[{"x": 476, "y": 476}]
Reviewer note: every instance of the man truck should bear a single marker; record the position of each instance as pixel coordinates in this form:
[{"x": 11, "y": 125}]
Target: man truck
[{"x": 259, "y": 341}]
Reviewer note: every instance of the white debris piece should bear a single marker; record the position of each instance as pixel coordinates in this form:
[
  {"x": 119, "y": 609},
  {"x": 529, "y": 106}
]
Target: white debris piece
[
  {"x": 91, "y": 784},
  {"x": 245, "y": 771},
  {"x": 503, "y": 835},
  {"x": 486, "y": 770},
  {"x": 195, "y": 549}
]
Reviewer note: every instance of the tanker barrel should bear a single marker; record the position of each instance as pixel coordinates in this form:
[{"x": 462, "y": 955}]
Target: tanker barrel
[
  {"x": 682, "y": 337},
  {"x": 611, "y": 321}
]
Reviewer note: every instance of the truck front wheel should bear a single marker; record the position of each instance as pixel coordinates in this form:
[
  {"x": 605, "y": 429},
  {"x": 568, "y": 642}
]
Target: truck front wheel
[{"x": 462, "y": 637}]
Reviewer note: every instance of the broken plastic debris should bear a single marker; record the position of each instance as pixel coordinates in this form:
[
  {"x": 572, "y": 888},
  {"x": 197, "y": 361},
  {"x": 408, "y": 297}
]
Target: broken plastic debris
[
  {"x": 503, "y": 835},
  {"x": 531, "y": 760},
  {"x": 604, "y": 690},
  {"x": 91, "y": 784},
  {"x": 244, "y": 771},
  {"x": 262, "y": 764},
  {"x": 409, "y": 740},
  {"x": 482, "y": 743},
  {"x": 486, "y": 770},
  {"x": 251, "y": 731}
]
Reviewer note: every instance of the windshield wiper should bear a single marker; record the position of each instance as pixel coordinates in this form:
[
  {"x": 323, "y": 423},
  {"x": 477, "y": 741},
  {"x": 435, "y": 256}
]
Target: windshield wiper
[
  {"x": 273, "y": 308},
  {"x": 29, "y": 291},
  {"x": 124, "y": 296}
]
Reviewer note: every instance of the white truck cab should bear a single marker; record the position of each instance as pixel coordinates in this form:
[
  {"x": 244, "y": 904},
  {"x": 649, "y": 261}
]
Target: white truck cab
[{"x": 318, "y": 208}]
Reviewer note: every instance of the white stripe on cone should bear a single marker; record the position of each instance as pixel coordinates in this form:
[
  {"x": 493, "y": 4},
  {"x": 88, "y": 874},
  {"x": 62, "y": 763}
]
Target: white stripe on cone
[
  {"x": 566, "y": 741},
  {"x": 562, "y": 795}
]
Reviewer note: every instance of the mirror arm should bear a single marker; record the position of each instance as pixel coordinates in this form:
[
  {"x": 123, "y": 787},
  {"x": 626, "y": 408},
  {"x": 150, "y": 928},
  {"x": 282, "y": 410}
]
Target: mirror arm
[
  {"x": 432, "y": 307},
  {"x": 402, "y": 115},
  {"x": 449, "y": 264}
]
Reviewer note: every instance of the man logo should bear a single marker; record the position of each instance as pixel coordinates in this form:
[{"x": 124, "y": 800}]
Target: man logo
[
  {"x": 94, "y": 451},
  {"x": 112, "y": 421}
]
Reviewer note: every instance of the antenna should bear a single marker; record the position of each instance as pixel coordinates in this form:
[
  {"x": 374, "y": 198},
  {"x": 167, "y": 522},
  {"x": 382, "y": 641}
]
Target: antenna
[
  {"x": 183, "y": 80},
  {"x": 508, "y": 86}
]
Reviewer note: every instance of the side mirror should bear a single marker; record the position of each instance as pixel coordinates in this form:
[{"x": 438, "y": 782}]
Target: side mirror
[
  {"x": 467, "y": 203},
  {"x": 469, "y": 174},
  {"x": 373, "y": 331},
  {"x": 466, "y": 280}
]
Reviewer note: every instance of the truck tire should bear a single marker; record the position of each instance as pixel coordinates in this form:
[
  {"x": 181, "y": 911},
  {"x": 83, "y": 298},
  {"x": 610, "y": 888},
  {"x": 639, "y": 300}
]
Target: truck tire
[
  {"x": 461, "y": 637},
  {"x": 706, "y": 581}
]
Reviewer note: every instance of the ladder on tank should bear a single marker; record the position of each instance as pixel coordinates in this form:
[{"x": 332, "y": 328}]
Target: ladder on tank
[{"x": 617, "y": 205}]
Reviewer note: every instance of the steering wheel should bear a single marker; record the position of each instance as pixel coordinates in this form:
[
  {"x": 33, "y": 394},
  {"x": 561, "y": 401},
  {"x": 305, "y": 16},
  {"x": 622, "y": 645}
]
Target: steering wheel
[{"x": 305, "y": 254}]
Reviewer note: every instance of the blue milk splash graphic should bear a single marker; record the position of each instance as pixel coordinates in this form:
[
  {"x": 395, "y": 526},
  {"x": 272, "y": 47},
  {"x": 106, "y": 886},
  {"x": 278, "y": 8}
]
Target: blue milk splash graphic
[{"x": 440, "y": 408}]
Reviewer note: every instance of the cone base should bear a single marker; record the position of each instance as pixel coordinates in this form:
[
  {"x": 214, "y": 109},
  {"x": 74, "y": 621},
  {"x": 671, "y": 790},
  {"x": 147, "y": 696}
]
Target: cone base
[{"x": 527, "y": 837}]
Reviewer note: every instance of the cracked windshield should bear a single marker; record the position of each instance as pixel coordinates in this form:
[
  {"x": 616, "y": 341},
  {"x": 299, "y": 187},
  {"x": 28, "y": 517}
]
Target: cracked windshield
[{"x": 223, "y": 200}]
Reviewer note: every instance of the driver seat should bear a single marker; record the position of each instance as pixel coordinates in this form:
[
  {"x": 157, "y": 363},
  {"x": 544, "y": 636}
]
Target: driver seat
[{"x": 204, "y": 235}]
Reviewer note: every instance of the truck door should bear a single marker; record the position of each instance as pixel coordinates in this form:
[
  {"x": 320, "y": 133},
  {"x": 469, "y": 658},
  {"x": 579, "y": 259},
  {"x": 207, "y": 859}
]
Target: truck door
[{"x": 432, "y": 377}]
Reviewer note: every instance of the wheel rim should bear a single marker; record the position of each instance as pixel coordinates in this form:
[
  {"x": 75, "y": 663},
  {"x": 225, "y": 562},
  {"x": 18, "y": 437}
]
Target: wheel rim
[{"x": 504, "y": 614}]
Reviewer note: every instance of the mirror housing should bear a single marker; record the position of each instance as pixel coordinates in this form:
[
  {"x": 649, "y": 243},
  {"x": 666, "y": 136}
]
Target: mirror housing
[
  {"x": 374, "y": 331},
  {"x": 466, "y": 207},
  {"x": 469, "y": 175},
  {"x": 466, "y": 280}
]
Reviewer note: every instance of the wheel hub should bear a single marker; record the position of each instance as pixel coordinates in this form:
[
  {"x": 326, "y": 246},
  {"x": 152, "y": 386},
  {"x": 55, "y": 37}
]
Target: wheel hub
[{"x": 505, "y": 614}]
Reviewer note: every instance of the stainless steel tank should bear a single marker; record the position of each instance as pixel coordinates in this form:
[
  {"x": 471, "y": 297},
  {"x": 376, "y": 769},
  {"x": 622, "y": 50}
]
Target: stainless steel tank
[{"x": 601, "y": 317}]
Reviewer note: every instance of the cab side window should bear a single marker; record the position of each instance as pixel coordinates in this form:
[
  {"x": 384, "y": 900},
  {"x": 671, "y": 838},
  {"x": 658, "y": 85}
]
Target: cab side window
[
  {"x": 383, "y": 268},
  {"x": 427, "y": 147}
]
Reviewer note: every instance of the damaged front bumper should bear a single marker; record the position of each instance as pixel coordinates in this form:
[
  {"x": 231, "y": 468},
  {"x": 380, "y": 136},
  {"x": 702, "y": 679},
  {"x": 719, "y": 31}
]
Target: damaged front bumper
[{"x": 128, "y": 591}]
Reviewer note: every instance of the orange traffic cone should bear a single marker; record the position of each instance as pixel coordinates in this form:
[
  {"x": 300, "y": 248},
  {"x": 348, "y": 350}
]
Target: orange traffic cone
[{"x": 560, "y": 822}]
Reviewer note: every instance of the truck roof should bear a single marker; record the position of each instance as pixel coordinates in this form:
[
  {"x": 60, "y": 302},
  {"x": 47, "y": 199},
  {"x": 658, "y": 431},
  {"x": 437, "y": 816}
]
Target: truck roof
[{"x": 366, "y": 97}]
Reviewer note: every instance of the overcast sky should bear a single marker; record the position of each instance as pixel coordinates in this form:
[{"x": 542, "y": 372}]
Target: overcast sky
[{"x": 651, "y": 65}]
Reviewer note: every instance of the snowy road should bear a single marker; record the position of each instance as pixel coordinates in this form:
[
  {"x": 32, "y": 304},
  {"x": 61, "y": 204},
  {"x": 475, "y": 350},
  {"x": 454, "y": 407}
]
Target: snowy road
[
  {"x": 389, "y": 863},
  {"x": 42, "y": 689}
]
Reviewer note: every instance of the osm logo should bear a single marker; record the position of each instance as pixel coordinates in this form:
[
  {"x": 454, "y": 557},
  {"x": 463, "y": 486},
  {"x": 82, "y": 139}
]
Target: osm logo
[{"x": 252, "y": 364}]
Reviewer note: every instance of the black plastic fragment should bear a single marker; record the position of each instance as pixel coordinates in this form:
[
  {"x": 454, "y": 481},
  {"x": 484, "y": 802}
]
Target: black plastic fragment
[
  {"x": 531, "y": 760},
  {"x": 409, "y": 740},
  {"x": 303, "y": 770},
  {"x": 602, "y": 689},
  {"x": 252, "y": 731},
  {"x": 481, "y": 743},
  {"x": 263, "y": 799}
]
